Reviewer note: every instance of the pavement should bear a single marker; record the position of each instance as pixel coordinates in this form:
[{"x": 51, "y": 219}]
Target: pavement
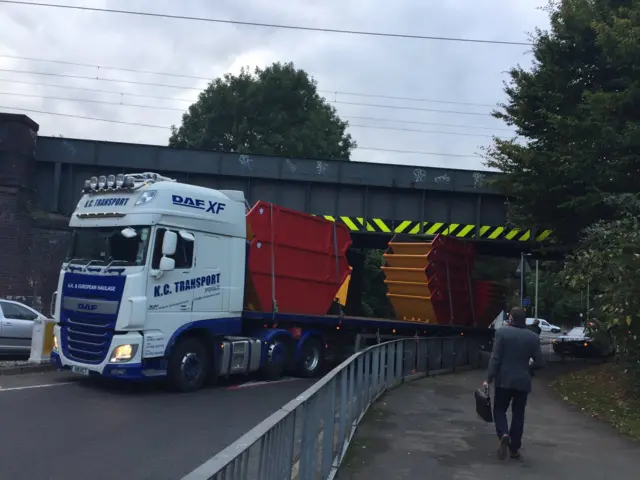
[
  {"x": 57, "y": 426},
  {"x": 429, "y": 429}
]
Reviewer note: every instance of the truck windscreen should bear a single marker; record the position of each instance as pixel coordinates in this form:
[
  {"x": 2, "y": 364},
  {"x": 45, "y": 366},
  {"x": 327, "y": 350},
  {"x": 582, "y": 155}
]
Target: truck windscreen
[{"x": 105, "y": 245}]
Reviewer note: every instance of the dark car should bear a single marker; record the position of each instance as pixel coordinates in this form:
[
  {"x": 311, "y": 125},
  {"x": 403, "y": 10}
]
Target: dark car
[{"x": 584, "y": 342}]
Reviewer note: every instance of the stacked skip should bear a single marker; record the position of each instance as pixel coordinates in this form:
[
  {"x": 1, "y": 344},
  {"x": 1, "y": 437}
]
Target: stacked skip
[
  {"x": 431, "y": 281},
  {"x": 490, "y": 301},
  {"x": 296, "y": 262}
]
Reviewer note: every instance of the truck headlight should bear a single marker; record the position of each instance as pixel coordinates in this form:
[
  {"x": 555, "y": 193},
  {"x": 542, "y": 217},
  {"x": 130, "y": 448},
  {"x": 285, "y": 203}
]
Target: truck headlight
[
  {"x": 56, "y": 348},
  {"x": 123, "y": 353}
]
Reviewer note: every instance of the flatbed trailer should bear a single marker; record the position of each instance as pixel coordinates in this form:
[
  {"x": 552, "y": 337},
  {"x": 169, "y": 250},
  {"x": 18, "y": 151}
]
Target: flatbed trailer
[{"x": 344, "y": 335}]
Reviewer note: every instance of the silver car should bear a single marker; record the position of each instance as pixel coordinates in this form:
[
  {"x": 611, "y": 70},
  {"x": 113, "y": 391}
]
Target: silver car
[{"x": 16, "y": 327}]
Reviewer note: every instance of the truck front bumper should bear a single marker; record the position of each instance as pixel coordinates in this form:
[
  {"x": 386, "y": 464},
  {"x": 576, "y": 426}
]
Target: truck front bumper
[{"x": 132, "y": 369}]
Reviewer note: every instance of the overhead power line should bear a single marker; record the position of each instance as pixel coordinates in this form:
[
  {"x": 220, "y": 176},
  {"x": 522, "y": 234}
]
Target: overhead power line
[
  {"x": 180, "y": 87},
  {"x": 82, "y": 117},
  {"x": 431, "y": 124},
  {"x": 112, "y": 80},
  {"x": 417, "y": 130},
  {"x": 267, "y": 25},
  {"x": 89, "y": 100},
  {"x": 155, "y": 107},
  {"x": 415, "y": 109},
  {"x": 189, "y": 100},
  {"x": 209, "y": 79},
  {"x": 107, "y": 120}
]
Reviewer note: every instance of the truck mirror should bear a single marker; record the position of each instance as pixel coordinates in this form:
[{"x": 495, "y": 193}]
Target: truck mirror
[
  {"x": 187, "y": 236},
  {"x": 167, "y": 264},
  {"x": 128, "y": 232},
  {"x": 169, "y": 243}
]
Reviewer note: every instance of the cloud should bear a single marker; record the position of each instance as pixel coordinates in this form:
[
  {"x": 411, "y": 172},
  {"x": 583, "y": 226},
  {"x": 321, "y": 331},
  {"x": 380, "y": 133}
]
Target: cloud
[{"x": 435, "y": 70}]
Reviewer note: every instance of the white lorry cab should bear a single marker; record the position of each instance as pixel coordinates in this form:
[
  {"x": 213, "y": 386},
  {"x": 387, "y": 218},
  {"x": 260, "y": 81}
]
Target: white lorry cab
[{"x": 149, "y": 260}]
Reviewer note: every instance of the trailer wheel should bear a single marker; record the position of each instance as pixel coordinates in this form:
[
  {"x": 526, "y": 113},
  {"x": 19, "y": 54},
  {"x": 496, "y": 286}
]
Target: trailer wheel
[
  {"x": 189, "y": 365},
  {"x": 276, "y": 360},
  {"x": 311, "y": 363}
]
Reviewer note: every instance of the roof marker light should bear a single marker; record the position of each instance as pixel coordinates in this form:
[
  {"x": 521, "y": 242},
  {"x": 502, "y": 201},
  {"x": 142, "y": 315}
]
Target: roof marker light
[
  {"x": 111, "y": 181},
  {"x": 93, "y": 182},
  {"x": 102, "y": 182},
  {"x": 119, "y": 180}
]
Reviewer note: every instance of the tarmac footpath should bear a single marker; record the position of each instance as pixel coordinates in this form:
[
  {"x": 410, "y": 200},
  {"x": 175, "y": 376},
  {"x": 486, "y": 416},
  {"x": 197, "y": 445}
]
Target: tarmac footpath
[{"x": 428, "y": 429}]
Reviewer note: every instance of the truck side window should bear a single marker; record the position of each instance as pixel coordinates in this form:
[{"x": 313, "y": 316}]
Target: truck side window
[
  {"x": 184, "y": 251},
  {"x": 157, "y": 249}
]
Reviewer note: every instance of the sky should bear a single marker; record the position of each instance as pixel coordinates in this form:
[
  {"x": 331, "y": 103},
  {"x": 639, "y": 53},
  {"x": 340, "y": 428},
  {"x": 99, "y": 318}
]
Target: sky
[{"x": 388, "y": 130}]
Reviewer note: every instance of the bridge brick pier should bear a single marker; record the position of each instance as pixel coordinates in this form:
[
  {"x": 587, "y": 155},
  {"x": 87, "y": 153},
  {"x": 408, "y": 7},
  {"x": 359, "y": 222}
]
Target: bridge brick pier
[{"x": 41, "y": 179}]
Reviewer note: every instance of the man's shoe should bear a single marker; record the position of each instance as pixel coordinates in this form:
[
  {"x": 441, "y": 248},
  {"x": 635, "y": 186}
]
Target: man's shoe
[
  {"x": 515, "y": 455},
  {"x": 503, "y": 449}
]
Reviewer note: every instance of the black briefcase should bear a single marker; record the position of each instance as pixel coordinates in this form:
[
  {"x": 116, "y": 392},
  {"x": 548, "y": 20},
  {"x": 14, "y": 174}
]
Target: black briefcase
[{"x": 483, "y": 405}]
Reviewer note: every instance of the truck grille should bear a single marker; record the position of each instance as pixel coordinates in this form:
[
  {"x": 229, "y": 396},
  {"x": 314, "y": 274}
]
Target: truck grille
[{"x": 87, "y": 339}]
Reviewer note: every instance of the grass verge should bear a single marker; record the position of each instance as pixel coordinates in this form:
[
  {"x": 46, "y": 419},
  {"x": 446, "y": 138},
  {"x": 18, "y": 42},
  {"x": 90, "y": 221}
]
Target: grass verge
[{"x": 603, "y": 392}]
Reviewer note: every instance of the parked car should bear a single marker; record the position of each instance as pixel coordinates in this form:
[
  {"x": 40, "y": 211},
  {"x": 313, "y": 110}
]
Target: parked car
[
  {"x": 544, "y": 325},
  {"x": 579, "y": 342},
  {"x": 16, "y": 327}
]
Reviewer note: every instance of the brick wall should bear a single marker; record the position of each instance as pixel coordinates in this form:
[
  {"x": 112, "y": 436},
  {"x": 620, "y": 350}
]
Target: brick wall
[
  {"x": 30, "y": 249},
  {"x": 47, "y": 249},
  {"x": 15, "y": 229}
]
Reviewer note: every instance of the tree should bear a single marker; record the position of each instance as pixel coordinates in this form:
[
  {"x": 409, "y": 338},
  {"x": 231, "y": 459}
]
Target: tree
[
  {"x": 609, "y": 259},
  {"x": 374, "y": 291},
  {"x": 275, "y": 111},
  {"x": 558, "y": 303},
  {"x": 577, "y": 112}
]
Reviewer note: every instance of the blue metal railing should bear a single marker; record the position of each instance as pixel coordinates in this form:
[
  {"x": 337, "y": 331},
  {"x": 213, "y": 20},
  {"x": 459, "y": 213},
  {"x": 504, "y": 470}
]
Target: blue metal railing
[{"x": 308, "y": 437}]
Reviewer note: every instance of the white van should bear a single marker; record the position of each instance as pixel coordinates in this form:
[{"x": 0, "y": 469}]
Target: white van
[{"x": 544, "y": 325}]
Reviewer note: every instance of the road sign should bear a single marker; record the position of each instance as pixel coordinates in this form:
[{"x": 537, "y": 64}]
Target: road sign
[
  {"x": 526, "y": 302},
  {"x": 527, "y": 267}
]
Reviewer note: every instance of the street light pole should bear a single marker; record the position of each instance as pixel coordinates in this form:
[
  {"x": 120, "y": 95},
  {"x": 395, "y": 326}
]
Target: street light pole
[
  {"x": 588, "y": 306},
  {"x": 536, "y": 293},
  {"x": 522, "y": 279}
]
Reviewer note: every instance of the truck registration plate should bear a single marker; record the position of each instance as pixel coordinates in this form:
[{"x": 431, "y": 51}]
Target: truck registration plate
[{"x": 80, "y": 370}]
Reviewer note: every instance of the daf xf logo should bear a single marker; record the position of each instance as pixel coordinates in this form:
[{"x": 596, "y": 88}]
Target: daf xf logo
[
  {"x": 208, "y": 206},
  {"x": 87, "y": 306}
]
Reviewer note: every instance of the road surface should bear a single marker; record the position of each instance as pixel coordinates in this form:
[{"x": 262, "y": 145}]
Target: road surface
[{"x": 57, "y": 427}]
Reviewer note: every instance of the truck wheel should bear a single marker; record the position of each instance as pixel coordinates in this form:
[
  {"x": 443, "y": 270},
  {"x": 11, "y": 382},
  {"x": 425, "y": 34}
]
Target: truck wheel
[
  {"x": 312, "y": 359},
  {"x": 276, "y": 360},
  {"x": 189, "y": 365}
]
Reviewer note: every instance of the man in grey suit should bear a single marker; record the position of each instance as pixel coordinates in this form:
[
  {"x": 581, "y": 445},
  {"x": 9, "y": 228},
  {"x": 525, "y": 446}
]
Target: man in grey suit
[{"x": 510, "y": 369}]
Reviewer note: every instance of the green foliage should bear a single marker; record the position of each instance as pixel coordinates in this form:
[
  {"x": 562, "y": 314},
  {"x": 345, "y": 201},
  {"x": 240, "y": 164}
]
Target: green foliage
[
  {"x": 275, "y": 111},
  {"x": 374, "y": 291},
  {"x": 557, "y": 303},
  {"x": 609, "y": 260},
  {"x": 577, "y": 113},
  {"x": 604, "y": 392}
]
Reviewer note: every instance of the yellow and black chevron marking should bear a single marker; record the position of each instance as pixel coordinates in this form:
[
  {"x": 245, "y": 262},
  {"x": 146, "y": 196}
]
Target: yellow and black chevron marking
[{"x": 410, "y": 227}]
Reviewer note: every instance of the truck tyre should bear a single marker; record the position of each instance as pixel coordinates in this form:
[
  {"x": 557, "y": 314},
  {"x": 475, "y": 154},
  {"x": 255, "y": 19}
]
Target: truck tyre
[
  {"x": 311, "y": 363},
  {"x": 276, "y": 361},
  {"x": 189, "y": 365}
]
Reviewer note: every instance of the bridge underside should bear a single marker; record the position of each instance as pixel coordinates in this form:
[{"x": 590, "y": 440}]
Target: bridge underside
[
  {"x": 495, "y": 248},
  {"x": 463, "y": 231},
  {"x": 492, "y": 240}
]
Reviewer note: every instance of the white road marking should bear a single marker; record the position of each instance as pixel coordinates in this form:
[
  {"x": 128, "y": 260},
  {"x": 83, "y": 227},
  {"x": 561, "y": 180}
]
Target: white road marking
[{"x": 26, "y": 387}]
